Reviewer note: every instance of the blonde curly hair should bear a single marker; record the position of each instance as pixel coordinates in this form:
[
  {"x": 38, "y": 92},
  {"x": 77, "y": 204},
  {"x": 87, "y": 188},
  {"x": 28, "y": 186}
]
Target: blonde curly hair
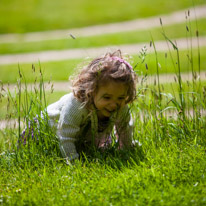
[{"x": 110, "y": 67}]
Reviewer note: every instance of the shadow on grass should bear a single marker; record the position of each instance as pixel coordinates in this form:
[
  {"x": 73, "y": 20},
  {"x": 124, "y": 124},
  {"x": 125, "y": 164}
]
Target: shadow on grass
[{"x": 115, "y": 158}]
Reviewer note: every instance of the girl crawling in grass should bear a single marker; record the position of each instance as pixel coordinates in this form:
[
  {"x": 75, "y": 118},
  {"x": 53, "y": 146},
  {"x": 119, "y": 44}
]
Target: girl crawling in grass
[{"x": 86, "y": 117}]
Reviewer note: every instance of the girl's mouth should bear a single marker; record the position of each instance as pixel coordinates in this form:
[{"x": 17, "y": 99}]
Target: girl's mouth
[{"x": 109, "y": 111}]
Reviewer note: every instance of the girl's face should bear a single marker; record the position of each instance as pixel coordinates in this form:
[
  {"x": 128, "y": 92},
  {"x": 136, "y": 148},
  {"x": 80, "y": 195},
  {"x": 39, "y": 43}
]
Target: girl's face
[{"x": 109, "y": 98}]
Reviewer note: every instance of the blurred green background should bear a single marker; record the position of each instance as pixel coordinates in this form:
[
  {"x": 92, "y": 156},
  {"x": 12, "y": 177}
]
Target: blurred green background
[
  {"x": 25, "y": 16},
  {"x": 19, "y": 16}
]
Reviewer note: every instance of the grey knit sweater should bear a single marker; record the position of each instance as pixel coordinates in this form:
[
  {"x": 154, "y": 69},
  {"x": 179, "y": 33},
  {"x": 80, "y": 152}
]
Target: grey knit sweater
[{"x": 68, "y": 117}]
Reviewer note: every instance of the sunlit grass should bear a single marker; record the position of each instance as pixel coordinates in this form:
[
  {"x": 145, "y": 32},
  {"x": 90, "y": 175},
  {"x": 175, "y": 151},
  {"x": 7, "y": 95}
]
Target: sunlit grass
[
  {"x": 61, "y": 70},
  {"x": 5, "y": 108},
  {"x": 56, "y": 71},
  {"x": 166, "y": 167},
  {"x": 169, "y": 175},
  {"x": 66, "y": 14},
  {"x": 174, "y": 31}
]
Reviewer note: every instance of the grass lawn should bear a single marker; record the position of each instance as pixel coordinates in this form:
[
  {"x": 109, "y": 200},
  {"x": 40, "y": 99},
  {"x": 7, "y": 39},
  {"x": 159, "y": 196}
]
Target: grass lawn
[
  {"x": 6, "y": 107},
  {"x": 168, "y": 168},
  {"x": 61, "y": 70},
  {"x": 170, "y": 174},
  {"x": 56, "y": 71},
  {"x": 27, "y": 16},
  {"x": 145, "y": 92},
  {"x": 168, "y": 165},
  {"x": 174, "y": 31}
]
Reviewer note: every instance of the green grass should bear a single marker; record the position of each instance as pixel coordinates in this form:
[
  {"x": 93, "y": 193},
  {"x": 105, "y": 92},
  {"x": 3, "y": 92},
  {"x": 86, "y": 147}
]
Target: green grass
[
  {"x": 6, "y": 108},
  {"x": 168, "y": 175},
  {"x": 55, "y": 71},
  {"x": 168, "y": 64},
  {"x": 174, "y": 31},
  {"x": 61, "y": 70},
  {"x": 167, "y": 169},
  {"x": 168, "y": 90},
  {"x": 27, "y": 16}
]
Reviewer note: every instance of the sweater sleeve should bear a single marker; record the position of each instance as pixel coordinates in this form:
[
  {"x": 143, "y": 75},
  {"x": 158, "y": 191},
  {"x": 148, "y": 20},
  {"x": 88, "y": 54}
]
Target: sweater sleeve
[
  {"x": 68, "y": 115},
  {"x": 124, "y": 127}
]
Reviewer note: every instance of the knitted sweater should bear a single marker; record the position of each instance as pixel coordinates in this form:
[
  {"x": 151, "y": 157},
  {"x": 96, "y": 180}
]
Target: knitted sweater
[{"x": 68, "y": 117}]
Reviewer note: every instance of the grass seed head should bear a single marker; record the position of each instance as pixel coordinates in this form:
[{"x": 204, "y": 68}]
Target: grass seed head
[
  {"x": 160, "y": 21},
  {"x": 72, "y": 36}
]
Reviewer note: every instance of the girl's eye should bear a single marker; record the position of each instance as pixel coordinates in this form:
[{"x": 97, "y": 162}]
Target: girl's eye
[
  {"x": 107, "y": 98},
  {"x": 121, "y": 98}
]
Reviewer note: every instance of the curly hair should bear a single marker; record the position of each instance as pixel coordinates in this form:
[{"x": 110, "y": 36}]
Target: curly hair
[{"x": 110, "y": 67}]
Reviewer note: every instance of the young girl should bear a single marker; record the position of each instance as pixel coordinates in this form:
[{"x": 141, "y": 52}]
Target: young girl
[{"x": 86, "y": 117}]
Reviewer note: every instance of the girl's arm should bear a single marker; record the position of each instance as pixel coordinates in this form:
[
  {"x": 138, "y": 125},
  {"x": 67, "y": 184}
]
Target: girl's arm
[
  {"x": 124, "y": 128},
  {"x": 68, "y": 124}
]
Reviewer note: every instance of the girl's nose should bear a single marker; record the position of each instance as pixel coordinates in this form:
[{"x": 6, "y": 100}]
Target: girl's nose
[{"x": 114, "y": 106}]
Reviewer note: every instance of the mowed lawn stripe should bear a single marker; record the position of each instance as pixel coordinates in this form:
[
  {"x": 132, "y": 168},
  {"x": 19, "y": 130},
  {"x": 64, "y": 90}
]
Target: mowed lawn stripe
[
  {"x": 47, "y": 56},
  {"x": 132, "y": 25}
]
